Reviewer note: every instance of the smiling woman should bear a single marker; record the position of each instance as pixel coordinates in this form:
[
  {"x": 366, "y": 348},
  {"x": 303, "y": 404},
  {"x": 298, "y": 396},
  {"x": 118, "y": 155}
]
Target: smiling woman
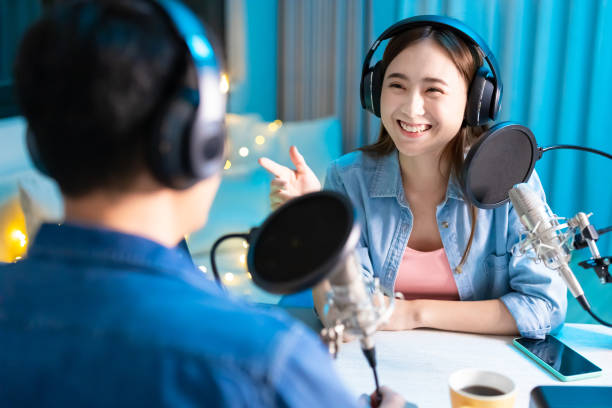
[
  {"x": 422, "y": 113},
  {"x": 420, "y": 236}
]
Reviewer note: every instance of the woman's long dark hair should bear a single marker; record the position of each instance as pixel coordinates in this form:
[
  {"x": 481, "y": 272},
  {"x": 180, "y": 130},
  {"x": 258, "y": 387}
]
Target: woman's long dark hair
[{"x": 467, "y": 59}]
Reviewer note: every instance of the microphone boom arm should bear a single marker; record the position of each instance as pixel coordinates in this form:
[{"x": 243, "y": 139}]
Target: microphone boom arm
[{"x": 587, "y": 233}]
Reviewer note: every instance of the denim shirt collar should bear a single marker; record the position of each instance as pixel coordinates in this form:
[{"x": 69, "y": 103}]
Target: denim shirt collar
[
  {"x": 387, "y": 180},
  {"x": 88, "y": 243}
]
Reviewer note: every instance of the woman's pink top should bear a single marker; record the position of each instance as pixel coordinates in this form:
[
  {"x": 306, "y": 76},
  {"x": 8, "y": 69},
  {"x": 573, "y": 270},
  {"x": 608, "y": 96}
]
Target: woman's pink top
[{"x": 426, "y": 275}]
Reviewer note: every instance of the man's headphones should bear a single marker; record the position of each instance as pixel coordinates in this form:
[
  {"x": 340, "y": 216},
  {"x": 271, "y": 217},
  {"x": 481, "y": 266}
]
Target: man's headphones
[
  {"x": 189, "y": 142},
  {"x": 484, "y": 93}
]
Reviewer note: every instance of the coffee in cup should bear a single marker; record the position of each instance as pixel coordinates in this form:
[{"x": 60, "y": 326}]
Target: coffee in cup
[{"x": 474, "y": 388}]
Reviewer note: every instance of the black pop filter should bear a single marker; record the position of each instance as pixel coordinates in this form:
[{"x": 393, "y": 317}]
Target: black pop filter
[
  {"x": 302, "y": 242},
  {"x": 502, "y": 157}
]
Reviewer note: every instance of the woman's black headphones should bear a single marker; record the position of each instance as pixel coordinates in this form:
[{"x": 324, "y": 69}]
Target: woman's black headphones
[
  {"x": 189, "y": 143},
  {"x": 485, "y": 91}
]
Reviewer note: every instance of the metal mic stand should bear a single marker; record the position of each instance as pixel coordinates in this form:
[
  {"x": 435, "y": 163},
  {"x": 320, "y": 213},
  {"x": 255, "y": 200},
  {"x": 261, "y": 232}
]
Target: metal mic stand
[
  {"x": 355, "y": 310},
  {"x": 587, "y": 236},
  {"x": 580, "y": 233}
]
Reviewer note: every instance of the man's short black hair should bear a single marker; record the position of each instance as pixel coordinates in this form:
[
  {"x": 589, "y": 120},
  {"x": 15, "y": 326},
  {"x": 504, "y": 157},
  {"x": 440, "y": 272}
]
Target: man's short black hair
[{"x": 91, "y": 79}]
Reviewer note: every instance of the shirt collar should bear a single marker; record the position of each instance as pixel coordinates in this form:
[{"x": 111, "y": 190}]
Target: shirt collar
[{"x": 387, "y": 180}]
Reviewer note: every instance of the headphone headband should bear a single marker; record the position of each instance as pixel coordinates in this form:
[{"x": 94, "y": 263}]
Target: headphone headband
[
  {"x": 458, "y": 27},
  {"x": 200, "y": 152}
]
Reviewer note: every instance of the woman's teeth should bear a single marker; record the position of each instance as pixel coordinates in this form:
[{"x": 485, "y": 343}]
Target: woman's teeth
[{"x": 414, "y": 129}]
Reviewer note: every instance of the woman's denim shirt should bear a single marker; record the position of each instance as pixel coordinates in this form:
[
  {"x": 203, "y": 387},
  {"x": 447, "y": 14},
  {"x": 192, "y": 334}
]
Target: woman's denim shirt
[{"x": 534, "y": 294}]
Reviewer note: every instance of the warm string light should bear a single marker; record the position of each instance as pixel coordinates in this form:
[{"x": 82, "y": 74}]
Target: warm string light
[
  {"x": 229, "y": 279},
  {"x": 274, "y": 126},
  {"x": 259, "y": 139},
  {"x": 243, "y": 151}
]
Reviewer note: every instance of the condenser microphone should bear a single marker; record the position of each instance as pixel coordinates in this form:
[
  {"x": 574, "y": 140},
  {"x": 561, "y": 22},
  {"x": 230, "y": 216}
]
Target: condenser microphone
[
  {"x": 543, "y": 236},
  {"x": 311, "y": 238}
]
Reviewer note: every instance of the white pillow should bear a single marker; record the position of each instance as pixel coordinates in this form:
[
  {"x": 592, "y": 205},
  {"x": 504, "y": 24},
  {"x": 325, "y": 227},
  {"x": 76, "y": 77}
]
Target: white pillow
[{"x": 41, "y": 201}]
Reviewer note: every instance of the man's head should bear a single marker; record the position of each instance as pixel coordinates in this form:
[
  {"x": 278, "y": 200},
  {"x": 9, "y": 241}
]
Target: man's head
[{"x": 96, "y": 81}]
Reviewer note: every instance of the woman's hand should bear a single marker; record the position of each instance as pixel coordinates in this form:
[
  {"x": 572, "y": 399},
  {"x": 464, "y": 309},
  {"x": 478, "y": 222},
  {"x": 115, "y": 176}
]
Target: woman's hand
[
  {"x": 406, "y": 316},
  {"x": 288, "y": 183}
]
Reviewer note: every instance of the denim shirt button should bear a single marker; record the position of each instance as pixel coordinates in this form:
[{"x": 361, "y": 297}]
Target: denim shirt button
[{"x": 444, "y": 224}]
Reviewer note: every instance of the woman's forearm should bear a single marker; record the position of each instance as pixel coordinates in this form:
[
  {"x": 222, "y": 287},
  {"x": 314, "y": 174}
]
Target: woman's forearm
[{"x": 483, "y": 316}]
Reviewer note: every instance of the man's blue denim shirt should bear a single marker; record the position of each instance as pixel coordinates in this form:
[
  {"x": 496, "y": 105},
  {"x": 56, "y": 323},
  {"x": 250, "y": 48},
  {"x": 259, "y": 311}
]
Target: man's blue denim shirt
[
  {"x": 99, "y": 318},
  {"x": 534, "y": 294}
]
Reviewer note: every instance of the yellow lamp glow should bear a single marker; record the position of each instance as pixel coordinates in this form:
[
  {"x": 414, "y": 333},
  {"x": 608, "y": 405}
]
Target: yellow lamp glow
[
  {"x": 20, "y": 237},
  {"x": 228, "y": 164},
  {"x": 13, "y": 238}
]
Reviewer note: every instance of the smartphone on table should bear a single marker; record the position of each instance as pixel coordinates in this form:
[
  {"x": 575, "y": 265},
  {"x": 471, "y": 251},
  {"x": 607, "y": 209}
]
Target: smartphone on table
[{"x": 557, "y": 357}]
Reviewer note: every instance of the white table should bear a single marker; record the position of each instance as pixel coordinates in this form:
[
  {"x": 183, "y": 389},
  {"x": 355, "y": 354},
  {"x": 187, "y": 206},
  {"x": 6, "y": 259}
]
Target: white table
[{"x": 417, "y": 363}]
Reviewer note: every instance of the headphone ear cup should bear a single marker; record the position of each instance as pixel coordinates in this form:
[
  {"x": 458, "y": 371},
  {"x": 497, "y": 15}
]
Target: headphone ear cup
[
  {"x": 206, "y": 147},
  {"x": 480, "y": 100},
  {"x": 169, "y": 143},
  {"x": 372, "y": 86},
  {"x": 377, "y": 80}
]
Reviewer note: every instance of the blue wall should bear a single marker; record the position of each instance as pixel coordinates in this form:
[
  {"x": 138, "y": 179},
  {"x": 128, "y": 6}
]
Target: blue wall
[{"x": 256, "y": 92}]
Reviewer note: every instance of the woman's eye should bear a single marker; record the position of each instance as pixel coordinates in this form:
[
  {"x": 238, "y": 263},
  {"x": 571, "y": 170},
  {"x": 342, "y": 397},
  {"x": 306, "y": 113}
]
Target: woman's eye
[
  {"x": 395, "y": 85},
  {"x": 438, "y": 90}
]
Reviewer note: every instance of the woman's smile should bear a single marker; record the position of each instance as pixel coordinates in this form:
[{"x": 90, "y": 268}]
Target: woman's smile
[{"x": 413, "y": 130}]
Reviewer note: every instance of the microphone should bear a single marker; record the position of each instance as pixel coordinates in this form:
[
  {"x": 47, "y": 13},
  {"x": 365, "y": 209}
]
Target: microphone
[
  {"x": 311, "y": 238},
  {"x": 550, "y": 246}
]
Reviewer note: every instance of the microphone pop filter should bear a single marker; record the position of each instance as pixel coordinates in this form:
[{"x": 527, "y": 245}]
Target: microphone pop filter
[
  {"x": 302, "y": 242},
  {"x": 503, "y": 156}
]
